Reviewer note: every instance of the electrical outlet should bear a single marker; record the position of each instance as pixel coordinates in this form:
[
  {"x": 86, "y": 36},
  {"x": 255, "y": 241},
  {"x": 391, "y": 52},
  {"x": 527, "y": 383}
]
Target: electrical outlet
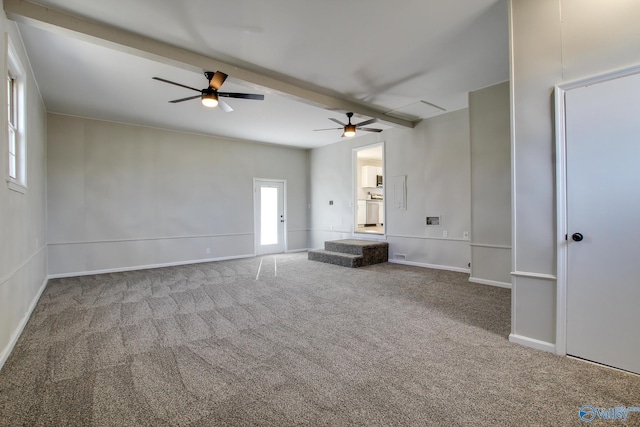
[
  {"x": 445, "y": 233},
  {"x": 465, "y": 234},
  {"x": 208, "y": 250}
]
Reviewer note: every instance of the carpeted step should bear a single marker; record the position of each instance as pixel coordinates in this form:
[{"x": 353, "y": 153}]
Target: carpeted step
[
  {"x": 336, "y": 258},
  {"x": 352, "y": 252},
  {"x": 373, "y": 252}
]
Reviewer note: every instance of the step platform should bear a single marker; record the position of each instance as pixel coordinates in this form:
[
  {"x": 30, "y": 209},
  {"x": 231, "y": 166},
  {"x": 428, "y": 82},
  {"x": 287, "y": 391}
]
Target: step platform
[{"x": 351, "y": 253}]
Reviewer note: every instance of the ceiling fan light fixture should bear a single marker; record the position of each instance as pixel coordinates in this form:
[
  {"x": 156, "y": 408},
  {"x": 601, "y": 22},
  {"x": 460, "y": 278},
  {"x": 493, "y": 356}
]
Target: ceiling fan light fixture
[
  {"x": 210, "y": 100},
  {"x": 349, "y": 130}
]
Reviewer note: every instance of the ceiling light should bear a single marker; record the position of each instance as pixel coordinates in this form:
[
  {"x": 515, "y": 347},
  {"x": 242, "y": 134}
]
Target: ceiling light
[
  {"x": 210, "y": 99},
  {"x": 349, "y": 130}
]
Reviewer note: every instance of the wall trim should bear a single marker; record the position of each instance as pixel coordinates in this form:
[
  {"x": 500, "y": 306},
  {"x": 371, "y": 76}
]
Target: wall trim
[
  {"x": 561, "y": 221},
  {"x": 485, "y": 245},
  {"x": 6, "y": 352},
  {"x": 533, "y": 275},
  {"x": 490, "y": 282},
  {"x": 16, "y": 186},
  {"x": 13, "y": 272},
  {"x": 330, "y": 231},
  {"x": 533, "y": 343},
  {"x": 142, "y": 239},
  {"x": 452, "y": 239},
  {"x": 292, "y": 251},
  {"x": 369, "y": 236},
  {"x": 432, "y": 266},
  {"x": 146, "y": 266},
  {"x": 512, "y": 146}
]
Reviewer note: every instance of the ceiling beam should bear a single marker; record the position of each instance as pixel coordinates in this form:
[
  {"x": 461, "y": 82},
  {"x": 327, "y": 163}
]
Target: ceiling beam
[{"x": 123, "y": 40}]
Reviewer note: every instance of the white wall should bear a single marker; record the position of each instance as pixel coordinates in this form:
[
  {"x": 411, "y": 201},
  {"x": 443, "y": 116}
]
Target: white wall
[
  {"x": 330, "y": 179},
  {"x": 490, "y": 185},
  {"x": 23, "y": 258},
  {"x": 435, "y": 158},
  {"x": 553, "y": 42},
  {"x": 123, "y": 196}
]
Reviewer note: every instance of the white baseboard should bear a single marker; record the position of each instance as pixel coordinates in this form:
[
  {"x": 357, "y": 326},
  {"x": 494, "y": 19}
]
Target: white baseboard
[
  {"x": 18, "y": 331},
  {"x": 293, "y": 251},
  {"x": 433, "y": 266},
  {"x": 490, "y": 282},
  {"x": 533, "y": 343},
  {"x": 146, "y": 267}
]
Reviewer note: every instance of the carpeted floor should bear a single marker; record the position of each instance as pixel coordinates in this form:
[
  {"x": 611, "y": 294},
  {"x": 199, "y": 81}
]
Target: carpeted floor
[{"x": 283, "y": 341}]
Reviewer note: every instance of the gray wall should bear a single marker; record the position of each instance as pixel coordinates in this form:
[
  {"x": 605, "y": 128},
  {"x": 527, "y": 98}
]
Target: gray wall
[
  {"x": 123, "y": 196},
  {"x": 490, "y": 185},
  {"x": 553, "y": 41},
  {"x": 23, "y": 257},
  {"x": 435, "y": 157}
]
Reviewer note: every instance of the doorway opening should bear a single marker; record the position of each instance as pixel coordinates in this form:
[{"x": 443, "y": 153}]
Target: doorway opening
[
  {"x": 269, "y": 216},
  {"x": 368, "y": 194}
]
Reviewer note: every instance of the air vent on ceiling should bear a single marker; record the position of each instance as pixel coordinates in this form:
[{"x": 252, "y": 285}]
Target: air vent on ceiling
[{"x": 416, "y": 111}]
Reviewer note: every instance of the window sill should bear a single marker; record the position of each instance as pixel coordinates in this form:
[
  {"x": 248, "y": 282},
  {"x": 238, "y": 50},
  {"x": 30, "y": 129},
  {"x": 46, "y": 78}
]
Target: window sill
[{"x": 15, "y": 186}]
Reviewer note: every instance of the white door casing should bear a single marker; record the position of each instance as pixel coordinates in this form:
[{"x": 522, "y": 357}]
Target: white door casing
[
  {"x": 358, "y": 214},
  {"x": 599, "y": 198},
  {"x": 269, "y": 216}
]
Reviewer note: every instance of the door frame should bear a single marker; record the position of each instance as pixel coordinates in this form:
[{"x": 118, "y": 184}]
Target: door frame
[
  {"x": 562, "y": 248},
  {"x": 256, "y": 216},
  {"x": 354, "y": 192}
]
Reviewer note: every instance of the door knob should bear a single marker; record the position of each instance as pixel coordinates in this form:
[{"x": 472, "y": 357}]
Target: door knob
[{"x": 577, "y": 237}]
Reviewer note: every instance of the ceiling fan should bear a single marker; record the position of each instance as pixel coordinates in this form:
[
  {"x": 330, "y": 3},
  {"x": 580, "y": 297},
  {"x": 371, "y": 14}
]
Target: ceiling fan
[
  {"x": 210, "y": 96},
  {"x": 349, "y": 129}
]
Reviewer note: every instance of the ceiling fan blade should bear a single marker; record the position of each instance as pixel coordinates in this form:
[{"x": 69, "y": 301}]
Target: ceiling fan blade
[
  {"x": 216, "y": 81},
  {"x": 224, "y": 106},
  {"x": 366, "y": 122},
  {"x": 315, "y": 130},
  {"x": 337, "y": 121},
  {"x": 241, "y": 95},
  {"x": 370, "y": 129},
  {"x": 185, "y": 99},
  {"x": 177, "y": 84}
]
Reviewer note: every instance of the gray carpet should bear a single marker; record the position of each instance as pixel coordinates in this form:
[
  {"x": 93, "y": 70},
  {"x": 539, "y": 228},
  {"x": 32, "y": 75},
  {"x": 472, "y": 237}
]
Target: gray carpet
[{"x": 304, "y": 344}]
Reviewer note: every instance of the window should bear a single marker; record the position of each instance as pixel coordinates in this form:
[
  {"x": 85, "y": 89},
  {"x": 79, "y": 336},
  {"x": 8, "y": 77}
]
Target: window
[
  {"x": 16, "y": 141},
  {"x": 13, "y": 124},
  {"x": 268, "y": 215}
]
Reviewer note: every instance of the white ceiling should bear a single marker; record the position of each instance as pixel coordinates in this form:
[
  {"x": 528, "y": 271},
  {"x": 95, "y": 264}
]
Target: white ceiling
[{"x": 409, "y": 58}]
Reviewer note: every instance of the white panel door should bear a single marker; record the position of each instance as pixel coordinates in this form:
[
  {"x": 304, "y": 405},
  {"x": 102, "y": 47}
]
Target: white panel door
[
  {"x": 603, "y": 207},
  {"x": 269, "y": 217}
]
